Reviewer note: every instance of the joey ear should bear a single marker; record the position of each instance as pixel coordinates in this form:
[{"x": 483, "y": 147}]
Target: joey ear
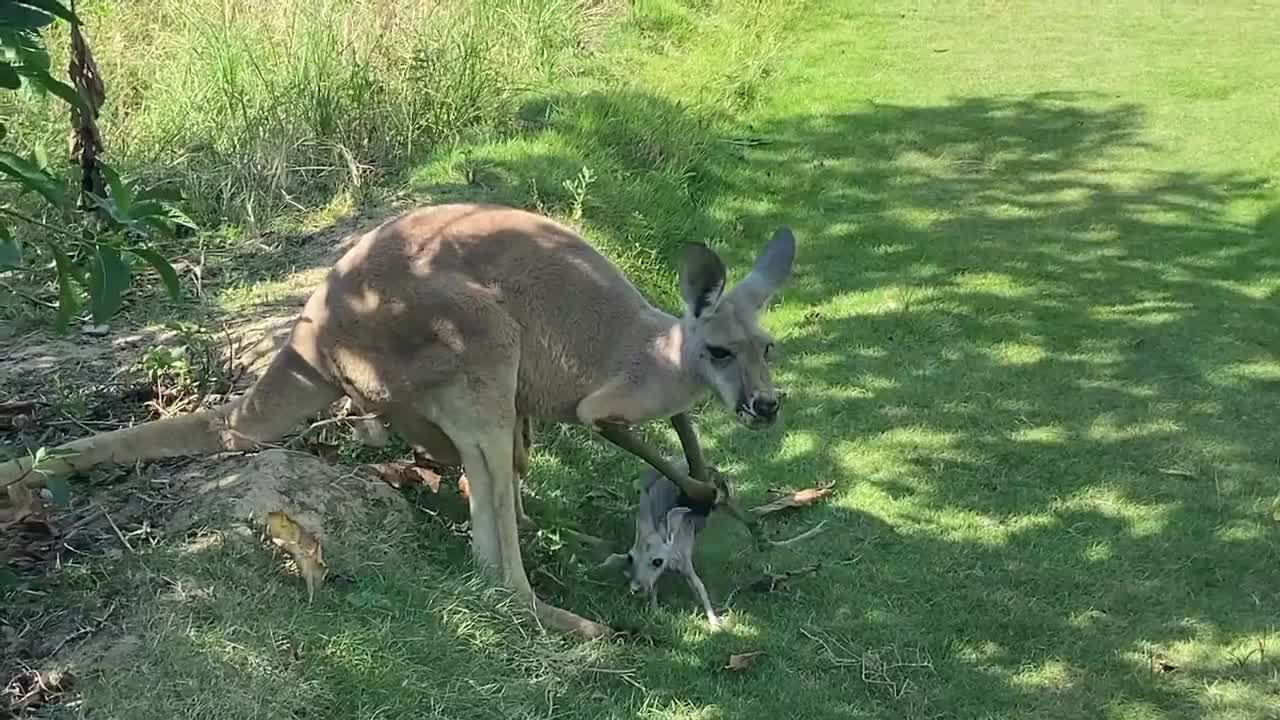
[
  {"x": 701, "y": 278},
  {"x": 770, "y": 271},
  {"x": 677, "y": 518}
]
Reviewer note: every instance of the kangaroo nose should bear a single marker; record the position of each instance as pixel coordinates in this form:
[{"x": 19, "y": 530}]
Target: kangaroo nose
[{"x": 765, "y": 407}]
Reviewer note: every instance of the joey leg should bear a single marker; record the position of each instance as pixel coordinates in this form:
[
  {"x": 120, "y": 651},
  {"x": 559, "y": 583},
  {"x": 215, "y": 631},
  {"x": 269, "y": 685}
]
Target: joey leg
[{"x": 695, "y": 583}]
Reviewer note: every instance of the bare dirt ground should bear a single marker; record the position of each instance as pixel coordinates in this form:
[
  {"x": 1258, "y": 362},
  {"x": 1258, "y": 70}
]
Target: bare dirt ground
[{"x": 54, "y": 389}]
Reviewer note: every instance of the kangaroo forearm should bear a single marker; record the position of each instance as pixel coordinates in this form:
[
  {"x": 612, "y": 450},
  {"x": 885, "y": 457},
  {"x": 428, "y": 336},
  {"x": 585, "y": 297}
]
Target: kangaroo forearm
[
  {"x": 683, "y": 425},
  {"x": 698, "y": 490}
]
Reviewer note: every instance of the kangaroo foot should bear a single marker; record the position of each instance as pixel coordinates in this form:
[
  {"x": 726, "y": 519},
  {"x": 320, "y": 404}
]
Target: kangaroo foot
[{"x": 569, "y": 623}]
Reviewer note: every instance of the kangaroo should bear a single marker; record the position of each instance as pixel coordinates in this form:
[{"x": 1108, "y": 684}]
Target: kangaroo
[
  {"x": 666, "y": 524},
  {"x": 456, "y": 323}
]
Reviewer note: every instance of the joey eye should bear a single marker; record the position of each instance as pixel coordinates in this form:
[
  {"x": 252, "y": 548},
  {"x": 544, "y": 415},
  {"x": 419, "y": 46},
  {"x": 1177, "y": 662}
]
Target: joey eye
[
  {"x": 657, "y": 562},
  {"x": 719, "y": 353},
  {"x": 768, "y": 348}
]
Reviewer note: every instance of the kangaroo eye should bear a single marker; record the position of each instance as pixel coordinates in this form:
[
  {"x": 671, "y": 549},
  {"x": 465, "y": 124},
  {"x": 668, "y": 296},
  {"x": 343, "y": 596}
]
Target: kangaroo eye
[
  {"x": 657, "y": 562},
  {"x": 630, "y": 560},
  {"x": 768, "y": 348},
  {"x": 719, "y": 353}
]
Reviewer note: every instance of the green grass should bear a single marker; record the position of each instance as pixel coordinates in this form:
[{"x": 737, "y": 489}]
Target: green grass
[{"x": 1032, "y": 336}]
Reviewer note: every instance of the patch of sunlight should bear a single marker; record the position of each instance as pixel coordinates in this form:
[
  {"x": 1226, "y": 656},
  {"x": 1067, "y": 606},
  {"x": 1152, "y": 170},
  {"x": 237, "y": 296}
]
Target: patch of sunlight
[
  {"x": 202, "y": 543},
  {"x": 796, "y": 444},
  {"x": 1098, "y": 351},
  {"x": 1106, "y": 429},
  {"x": 962, "y": 526},
  {"x": 217, "y": 645},
  {"x": 1016, "y": 353},
  {"x": 1259, "y": 288},
  {"x": 916, "y": 160},
  {"x": 1053, "y": 675},
  {"x": 982, "y": 652},
  {"x": 1140, "y": 519},
  {"x": 1041, "y": 435},
  {"x": 1097, "y": 552},
  {"x": 995, "y": 284},
  {"x": 1086, "y": 619},
  {"x": 1208, "y": 652},
  {"x": 292, "y": 287},
  {"x": 922, "y": 219},
  {"x": 1126, "y": 709},
  {"x": 1241, "y": 374},
  {"x": 341, "y": 205},
  {"x": 1127, "y": 387},
  {"x": 1152, "y": 312},
  {"x": 1241, "y": 530},
  {"x": 890, "y": 249},
  {"x": 679, "y": 709},
  {"x": 1010, "y": 211}
]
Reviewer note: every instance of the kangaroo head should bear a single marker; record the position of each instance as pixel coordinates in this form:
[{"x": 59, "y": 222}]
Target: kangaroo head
[
  {"x": 724, "y": 344},
  {"x": 658, "y": 543}
]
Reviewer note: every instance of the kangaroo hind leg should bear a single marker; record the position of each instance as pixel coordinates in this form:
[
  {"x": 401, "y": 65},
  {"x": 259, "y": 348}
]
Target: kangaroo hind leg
[
  {"x": 288, "y": 392},
  {"x": 487, "y": 447}
]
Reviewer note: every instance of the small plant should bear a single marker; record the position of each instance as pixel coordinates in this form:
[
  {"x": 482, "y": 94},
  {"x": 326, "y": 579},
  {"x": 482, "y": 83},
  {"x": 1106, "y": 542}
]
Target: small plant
[
  {"x": 186, "y": 374},
  {"x": 578, "y": 188}
]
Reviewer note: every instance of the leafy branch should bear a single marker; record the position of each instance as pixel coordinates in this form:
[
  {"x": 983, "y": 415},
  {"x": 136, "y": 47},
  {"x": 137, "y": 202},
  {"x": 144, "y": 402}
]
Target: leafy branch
[{"x": 91, "y": 234}]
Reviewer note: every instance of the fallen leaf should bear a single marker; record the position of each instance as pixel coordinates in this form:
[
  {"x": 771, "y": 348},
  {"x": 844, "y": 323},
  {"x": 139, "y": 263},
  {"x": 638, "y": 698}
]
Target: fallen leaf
[
  {"x": 305, "y": 549},
  {"x": 741, "y": 662},
  {"x": 464, "y": 487},
  {"x": 799, "y": 498},
  {"x": 399, "y": 475}
]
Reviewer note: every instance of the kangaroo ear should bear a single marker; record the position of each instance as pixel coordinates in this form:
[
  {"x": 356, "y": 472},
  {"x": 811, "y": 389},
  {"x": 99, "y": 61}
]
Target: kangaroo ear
[
  {"x": 677, "y": 522},
  {"x": 771, "y": 270},
  {"x": 701, "y": 278}
]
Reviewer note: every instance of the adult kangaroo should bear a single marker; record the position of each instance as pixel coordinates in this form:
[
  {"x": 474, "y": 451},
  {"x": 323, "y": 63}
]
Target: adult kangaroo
[{"x": 457, "y": 323}]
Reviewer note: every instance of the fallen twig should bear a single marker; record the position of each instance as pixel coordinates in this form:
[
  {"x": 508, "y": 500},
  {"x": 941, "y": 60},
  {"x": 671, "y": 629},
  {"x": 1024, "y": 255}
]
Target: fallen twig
[{"x": 119, "y": 534}]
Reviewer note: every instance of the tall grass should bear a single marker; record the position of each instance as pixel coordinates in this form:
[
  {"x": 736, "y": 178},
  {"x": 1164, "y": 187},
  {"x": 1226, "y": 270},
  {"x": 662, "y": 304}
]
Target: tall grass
[{"x": 253, "y": 107}]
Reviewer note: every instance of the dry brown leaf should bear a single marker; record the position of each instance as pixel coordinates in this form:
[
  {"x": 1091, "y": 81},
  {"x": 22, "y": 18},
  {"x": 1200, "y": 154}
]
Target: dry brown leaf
[
  {"x": 305, "y": 549},
  {"x": 743, "y": 661},
  {"x": 25, "y": 502},
  {"x": 426, "y": 477},
  {"x": 799, "y": 498},
  {"x": 399, "y": 475}
]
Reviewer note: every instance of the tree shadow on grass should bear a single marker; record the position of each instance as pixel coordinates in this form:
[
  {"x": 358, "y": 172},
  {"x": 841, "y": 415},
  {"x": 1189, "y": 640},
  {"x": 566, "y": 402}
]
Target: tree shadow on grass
[
  {"x": 1042, "y": 375},
  {"x": 1053, "y": 370}
]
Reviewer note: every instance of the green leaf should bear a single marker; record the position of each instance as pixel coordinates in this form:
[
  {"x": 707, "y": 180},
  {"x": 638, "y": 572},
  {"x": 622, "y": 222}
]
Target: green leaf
[
  {"x": 21, "y": 16},
  {"x": 167, "y": 274},
  {"x": 10, "y": 250},
  {"x": 59, "y": 489},
  {"x": 32, "y": 177},
  {"x": 9, "y": 79},
  {"x": 27, "y": 47},
  {"x": 120, "y": 194},
  {"x": 108, "y": 279},
  {"x": 47, "y": 82},
  {"x": 113, "y": 213},
  {"x": 41, "y": 157},
  {"x": 67, "y": 300},
  {"x": 53, "y": 7}
]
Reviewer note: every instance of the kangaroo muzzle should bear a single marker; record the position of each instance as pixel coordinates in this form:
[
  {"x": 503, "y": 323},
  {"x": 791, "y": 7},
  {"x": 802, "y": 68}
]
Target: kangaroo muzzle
[{"x": 759, "y": 411}]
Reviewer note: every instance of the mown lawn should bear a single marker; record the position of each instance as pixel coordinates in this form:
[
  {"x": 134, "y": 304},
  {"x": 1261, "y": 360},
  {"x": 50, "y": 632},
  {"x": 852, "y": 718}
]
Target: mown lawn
[{"x": 1033, "y": 337}]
